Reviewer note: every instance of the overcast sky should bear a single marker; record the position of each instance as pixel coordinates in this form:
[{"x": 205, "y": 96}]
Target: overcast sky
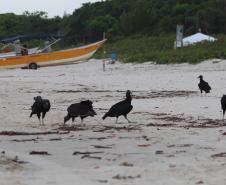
[{"x": 52, "y": 7}]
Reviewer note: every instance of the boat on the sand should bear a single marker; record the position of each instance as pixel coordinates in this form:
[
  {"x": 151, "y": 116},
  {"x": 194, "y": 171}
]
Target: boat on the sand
[{"x": 33, "y": 61}]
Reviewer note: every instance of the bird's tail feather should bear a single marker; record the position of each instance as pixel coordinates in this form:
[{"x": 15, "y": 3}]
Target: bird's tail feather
[{"x": 104, "y": 116}]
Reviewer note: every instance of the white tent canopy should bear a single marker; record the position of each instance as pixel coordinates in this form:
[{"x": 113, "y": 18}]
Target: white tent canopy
[{"x": 193, "y": 39}]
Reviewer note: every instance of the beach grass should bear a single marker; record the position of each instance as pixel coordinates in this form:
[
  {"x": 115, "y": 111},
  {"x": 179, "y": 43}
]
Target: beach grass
[{"x": 161, "y": 50}]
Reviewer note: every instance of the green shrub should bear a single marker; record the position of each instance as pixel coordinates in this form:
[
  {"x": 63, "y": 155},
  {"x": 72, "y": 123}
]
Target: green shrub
[{"x": 160, "y": 50}]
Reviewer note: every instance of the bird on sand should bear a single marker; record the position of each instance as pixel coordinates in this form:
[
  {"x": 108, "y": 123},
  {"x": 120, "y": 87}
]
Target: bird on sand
[
  {"x": 40, "y": 107},
  {"x": 121, "y": 108},
  {"x": 82, "y": 110},
  {"x": 223, "y": 104},
  {"x": 203, "y": 85}
]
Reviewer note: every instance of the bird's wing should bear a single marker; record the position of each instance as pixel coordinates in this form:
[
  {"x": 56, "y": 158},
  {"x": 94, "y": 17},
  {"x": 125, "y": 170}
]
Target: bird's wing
[
  {"x": 79, "y": 109},
  {"x": 116, "y": 107},
  {"x": 46, "y": 104},
  {"x": 86, "y": 109},
  {"x": 73, "y": 109},
  {"x": 120, "y": 108},
  {"x": 223, "y": 102},
  {"x": 207, "y": 86},
  {"x": 36, "y": 106}
]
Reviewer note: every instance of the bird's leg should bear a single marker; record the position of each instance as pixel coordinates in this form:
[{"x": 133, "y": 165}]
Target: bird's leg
[
  {"x": 43, "y": 115},
  {"x": 116, "y": 120},
  {"x": 127, "y": 119},
  {"x": 42, "y": 119},
  {"x": 31, "y": 114},
  {"x": 82, "y": 121},
  {"x": 39, "y": 115},
  {"x": 73, "y": 119}
]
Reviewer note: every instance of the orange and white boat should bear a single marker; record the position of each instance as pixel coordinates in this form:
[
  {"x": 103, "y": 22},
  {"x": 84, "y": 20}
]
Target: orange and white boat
[{"x": 52, "y": 58}]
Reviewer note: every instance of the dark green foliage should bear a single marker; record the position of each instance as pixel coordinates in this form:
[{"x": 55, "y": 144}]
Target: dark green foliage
[
  {"x": 125, "y": 18},
  {"x": 160, "y": 50},
  {"x": 122, "y": 18},
  {"x": 134, "y": 26},
  {"x": 28, "y": 23}
]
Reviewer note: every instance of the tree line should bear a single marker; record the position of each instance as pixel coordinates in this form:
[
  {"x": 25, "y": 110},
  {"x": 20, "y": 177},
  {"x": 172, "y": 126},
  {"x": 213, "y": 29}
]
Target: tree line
[{"x": 121, "y": 19}]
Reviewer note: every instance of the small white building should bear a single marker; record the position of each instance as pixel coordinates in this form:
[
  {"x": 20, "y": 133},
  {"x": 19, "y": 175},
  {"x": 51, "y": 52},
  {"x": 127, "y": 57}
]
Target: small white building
[{"x": 193, "y": 39}]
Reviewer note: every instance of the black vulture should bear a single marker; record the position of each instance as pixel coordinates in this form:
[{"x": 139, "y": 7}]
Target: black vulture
[
  {"x": 121, "y": 108},
  {"x": 82, "y": 110},
  {"x": 223, "y": 104},
  {"x": 203, "y": 85},
  {"x": 40, "y": 106}
]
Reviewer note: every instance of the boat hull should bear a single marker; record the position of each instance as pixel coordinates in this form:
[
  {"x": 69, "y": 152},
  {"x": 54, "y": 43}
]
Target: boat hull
[{"x": 52, "y": 58}]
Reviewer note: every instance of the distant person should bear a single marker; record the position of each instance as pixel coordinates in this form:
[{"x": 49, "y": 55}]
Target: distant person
[
  {"x": 24, "y": 50},
  {"x": 113, "y": 58}
]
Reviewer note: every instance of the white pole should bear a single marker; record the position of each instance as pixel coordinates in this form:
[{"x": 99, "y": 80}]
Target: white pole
[{"x": 104, "y": 52}]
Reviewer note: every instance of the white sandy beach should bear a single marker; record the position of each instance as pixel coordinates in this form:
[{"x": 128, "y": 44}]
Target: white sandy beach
[{"x": 173, "y": 140}]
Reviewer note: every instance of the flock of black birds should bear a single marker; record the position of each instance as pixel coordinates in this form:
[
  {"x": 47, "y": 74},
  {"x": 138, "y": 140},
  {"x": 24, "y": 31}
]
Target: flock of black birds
[{"x": 85, "y": 108}]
